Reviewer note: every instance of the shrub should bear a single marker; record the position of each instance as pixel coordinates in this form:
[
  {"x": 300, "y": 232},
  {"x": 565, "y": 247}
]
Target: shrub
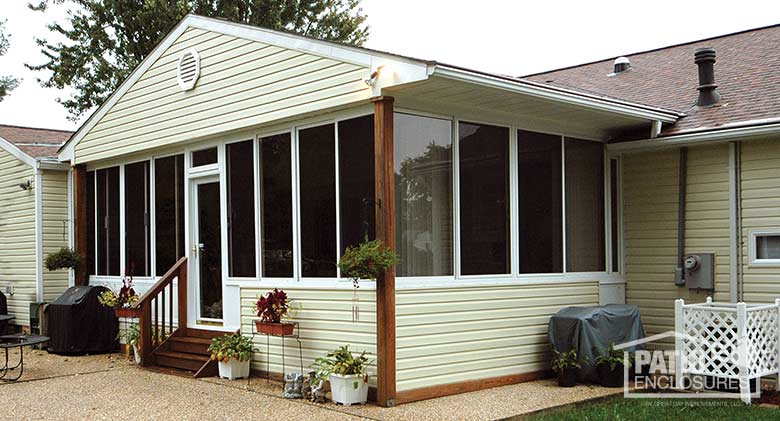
[
  {"x": 366, "y": 261},
  {"x": 341, "y": 361},
  {"x": 64, "y": 258},
  {"x": 237, "y": 346}
]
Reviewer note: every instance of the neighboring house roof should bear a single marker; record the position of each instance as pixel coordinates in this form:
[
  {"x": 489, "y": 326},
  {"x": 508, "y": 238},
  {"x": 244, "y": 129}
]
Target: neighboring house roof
[
  {"x": 747, "y": 72},
  {"x": 35, "y": 142}
]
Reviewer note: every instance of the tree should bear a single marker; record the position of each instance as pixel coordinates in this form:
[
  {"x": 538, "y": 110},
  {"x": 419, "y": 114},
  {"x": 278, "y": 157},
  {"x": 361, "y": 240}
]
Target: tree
[
  {"x": 107, "y": 39},
  {"x": 7, "y": 83}
]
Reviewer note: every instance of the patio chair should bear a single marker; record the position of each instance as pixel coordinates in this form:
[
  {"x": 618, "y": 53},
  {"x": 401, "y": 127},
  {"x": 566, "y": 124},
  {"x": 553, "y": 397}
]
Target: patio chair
[{"x": 3, "y": 312}]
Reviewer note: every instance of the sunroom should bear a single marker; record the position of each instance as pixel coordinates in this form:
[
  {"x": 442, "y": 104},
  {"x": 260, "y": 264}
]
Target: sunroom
[{"x": 497, "y": 195}]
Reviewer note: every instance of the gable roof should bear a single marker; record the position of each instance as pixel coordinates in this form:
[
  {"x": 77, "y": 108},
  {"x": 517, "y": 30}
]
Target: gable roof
[
  {"x": 34, "y": 143},
  {"x": 747, "y": 72}
]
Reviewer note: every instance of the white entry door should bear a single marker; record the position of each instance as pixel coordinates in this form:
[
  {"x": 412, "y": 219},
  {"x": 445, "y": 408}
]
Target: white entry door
[{"x": 207, "y": 252}]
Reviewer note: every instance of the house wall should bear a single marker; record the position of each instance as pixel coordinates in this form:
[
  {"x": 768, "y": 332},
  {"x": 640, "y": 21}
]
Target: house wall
[
  {"x": 55, "y": 228},
  {"x": 17, "y": 236},
  {"x": 760, "y": 209},
  {"x": 650, "y": 199},
  {"x": 450, "y": 335},
  {"x": 325, "y": 317},
  {"x": 243, "y": 84}
]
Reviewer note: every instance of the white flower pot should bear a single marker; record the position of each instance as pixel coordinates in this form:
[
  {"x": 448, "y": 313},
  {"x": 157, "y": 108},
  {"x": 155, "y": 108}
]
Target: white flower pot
[
  {"x": 234, "y": 369},
  {"x": 343, "y": 391},
  {"x": 136, "y": 354}
]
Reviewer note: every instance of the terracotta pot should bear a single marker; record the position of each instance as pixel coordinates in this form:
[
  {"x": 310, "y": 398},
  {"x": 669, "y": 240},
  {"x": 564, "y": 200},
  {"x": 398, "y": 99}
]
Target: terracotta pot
[
  {"x": 275, "y": 329},
  {"x": 129, "y": 313}
]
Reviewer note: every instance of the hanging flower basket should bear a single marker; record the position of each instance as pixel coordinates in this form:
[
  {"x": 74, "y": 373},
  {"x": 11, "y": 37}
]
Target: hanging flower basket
[
  {"x": 127, "y": 312},
  {"x": 276, "y": 329}
]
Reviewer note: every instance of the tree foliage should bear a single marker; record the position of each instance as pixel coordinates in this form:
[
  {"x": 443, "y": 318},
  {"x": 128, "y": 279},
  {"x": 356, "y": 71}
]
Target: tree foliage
[
  {"x": 7, "y": 83},
  {"x": 107, "y": 39}
]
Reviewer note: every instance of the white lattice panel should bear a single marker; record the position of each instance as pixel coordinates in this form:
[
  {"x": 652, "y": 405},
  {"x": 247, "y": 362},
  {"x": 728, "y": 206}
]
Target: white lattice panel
[
  {"x": 712, "y": 345},
  {"x": 762, "y": 341}
]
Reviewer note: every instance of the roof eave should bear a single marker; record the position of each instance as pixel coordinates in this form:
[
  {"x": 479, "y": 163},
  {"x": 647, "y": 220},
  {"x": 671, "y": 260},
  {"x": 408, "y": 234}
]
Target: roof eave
[{"x": 687, "y": 139}]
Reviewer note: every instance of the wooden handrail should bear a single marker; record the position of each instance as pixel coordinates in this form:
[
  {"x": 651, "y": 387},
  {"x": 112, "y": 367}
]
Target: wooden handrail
[{"x": 153, "y": 332}]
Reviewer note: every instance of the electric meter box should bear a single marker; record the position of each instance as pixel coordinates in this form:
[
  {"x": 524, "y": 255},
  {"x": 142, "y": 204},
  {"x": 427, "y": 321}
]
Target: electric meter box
[{"x": 700, "y": 271}]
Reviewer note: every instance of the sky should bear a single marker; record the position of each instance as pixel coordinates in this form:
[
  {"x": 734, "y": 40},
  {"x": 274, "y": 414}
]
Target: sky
[{"x": 510, "y": 37}]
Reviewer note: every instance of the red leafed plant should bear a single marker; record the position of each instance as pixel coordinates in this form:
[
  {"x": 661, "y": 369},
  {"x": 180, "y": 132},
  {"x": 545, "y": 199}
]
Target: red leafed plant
[{"x": 273, "y": 306}]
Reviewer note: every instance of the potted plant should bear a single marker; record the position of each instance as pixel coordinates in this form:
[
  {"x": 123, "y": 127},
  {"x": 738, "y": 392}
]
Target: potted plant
[
  {"x": 132, "y": 339},
  {"x": 346, "y": 373},
  {"x": 566, "y": 365},
  {"x": 271, "y": 309},
  {"x": 233, "y": 353},
  {"x": 121, "y": 302},
  {"x": 367, "y": 261},
  {"x": 610, "y": 366},
  {"x": 64, "y": 258}
]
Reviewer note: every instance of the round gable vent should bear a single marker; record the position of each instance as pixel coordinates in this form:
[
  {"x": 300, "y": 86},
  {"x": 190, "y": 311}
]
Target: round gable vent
[{"x": 188, "y": 69}]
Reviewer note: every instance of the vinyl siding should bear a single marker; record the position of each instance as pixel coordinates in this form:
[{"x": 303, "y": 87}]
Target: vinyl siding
[
  {"x": 242, "y": 84},
  {"x": 55, "y": 228},
  {"x": 325, "y": 318},
  {"x": 650, "y": 199},
  {"x": 17, "y": 236},
  {"x": 760, "y": 207},
  {"x": 450, "y": 335}
]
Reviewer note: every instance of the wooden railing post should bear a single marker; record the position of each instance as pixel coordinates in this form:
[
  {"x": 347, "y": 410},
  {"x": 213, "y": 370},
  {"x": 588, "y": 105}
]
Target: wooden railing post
[
  {"x": 182, "y": 287},
  {"x": 80, "y": 235},
  {"x": 145, "y": 328}
]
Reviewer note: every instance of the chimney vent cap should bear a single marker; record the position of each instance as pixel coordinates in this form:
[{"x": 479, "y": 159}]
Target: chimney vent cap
[{"x": 621, "y": 64}]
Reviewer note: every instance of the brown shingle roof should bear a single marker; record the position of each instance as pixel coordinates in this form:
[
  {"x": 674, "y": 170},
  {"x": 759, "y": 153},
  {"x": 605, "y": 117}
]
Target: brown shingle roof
[
  {"x": 38, "y": 143},
  {"x": 747, "y": 72}
]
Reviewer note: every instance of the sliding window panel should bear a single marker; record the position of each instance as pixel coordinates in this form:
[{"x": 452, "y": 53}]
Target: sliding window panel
[
  {"x": 91, "y": 239},
  {"x": 241, "y": 209},
  {"x": 317, "y": 199},
  {"x": 168, "y": 212},
  {"x": 137, "y": 243},
  {"x": 540, "y": 203},
  {"x": 276, "y": 206},
  {"x": 423, "y": 195},
  {"x": 584, "y": 206},
  {"x": 108, "y": 222},
  {"x": 484, "y": 199},
  {"x": 356, "y": 181}
]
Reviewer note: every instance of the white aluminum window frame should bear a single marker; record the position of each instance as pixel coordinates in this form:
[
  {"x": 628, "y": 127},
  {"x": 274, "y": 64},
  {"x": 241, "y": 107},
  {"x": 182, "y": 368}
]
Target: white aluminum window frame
[{"x": 753, "y": 249}]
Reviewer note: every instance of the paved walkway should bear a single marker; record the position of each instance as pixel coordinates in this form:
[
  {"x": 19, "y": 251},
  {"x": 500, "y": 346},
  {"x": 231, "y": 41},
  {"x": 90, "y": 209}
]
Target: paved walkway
[{"x": 109, "y": 387}]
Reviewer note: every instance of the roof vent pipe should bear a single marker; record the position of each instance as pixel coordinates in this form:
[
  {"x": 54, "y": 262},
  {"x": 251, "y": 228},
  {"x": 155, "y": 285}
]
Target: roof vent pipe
[
  {"x": 708, "y": 94},
  {"x": 621, "y": 65}
]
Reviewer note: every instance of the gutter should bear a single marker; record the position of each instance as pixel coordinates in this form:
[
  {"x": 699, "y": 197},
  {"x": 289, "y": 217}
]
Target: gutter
[
  {"x": 689, "y": 139},
  {"x": 555, "y": 94}
]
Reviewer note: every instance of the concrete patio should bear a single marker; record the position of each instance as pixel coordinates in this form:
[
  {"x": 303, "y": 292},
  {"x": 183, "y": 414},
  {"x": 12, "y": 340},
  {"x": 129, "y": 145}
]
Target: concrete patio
[{"x": 110, "y": 387}]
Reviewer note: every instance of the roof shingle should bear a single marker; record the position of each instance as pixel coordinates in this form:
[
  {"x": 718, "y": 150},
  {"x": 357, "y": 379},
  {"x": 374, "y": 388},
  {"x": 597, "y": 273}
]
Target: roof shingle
[{"x": 38, "y": 143}]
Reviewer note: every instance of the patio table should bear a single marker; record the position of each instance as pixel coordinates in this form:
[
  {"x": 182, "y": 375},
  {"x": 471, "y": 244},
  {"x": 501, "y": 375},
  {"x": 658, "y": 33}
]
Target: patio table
[{"x": 19, "y": 340}]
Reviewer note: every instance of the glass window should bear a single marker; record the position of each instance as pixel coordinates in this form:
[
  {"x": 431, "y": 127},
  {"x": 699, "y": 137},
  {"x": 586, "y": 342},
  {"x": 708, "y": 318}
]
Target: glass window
[
  {"x": 91, "y": 223},
  {"x": 614, "y": 209},
  {"x": 169, "y": 211},
  {"x": 768, "y": 247},
  {"x": 276, "y": 205},
  {"x": 317, "y": 199},
  {"x": 484, "y": 199},
  {"x": 241, "y": 209},
  {"x": 137, "y": 219},
  {"x": 584, "y": 206},
  {"x": 423, "y": 195},
  {"x": 108, "y": 221},
  {"x": 204, "y": 157},
  {"x": 540, "y": 203},
  {"x": 356, "y": 180}
]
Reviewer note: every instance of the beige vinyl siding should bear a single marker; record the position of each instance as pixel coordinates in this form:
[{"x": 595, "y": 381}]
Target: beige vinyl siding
[
  {"x": 55, "y": 225},
  {"x": 243, "y": 84},
  {"x": 325, "y": 317},
  {"x": 451, "y": 335},
  {"x": 650, "y": 199},
  {"x": 17, "y": 236},
  {"x": 760, "y": 207}
]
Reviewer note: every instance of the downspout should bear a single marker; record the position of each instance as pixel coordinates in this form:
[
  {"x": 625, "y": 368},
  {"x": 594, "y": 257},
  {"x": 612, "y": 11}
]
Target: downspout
[
  {"x": 38, "y": 193},
  {"x": 679, "y": 279},
  {"x": 735, "y": 246}
]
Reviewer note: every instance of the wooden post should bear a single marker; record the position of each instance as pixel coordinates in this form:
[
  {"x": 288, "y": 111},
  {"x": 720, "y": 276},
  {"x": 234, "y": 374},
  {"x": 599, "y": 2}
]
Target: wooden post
[
  {"x": 182, "y": 288},
  {"x": 385, "y": 232},
  {"x": 80, "y": 235}
]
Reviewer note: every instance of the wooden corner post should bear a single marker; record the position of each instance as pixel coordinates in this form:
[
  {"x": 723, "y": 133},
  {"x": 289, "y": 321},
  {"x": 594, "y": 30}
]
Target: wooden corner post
[
  {"x": 80, "y": 221},
  {"x": 385, "y": 231}
]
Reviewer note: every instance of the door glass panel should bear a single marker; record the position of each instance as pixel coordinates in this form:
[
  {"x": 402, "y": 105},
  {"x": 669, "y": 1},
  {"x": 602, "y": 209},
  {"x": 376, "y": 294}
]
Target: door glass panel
[{"x": 209, "y": 251}]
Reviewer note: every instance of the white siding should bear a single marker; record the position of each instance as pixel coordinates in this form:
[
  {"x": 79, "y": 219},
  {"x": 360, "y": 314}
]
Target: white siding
[
  {"x": 243, "y": 84},
  {"x": 450, "y": 335},
  {"x": 17, "y": 236}
]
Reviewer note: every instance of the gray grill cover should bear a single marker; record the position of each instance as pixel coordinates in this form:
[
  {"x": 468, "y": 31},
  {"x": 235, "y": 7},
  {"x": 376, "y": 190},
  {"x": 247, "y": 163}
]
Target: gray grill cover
[{"x": 588, "y": 329}]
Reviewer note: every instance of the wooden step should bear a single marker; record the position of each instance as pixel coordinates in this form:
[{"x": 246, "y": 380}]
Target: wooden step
[
  {"x": 190, "y": 345},
  {"x": 203, "y": 333},
  {"x": 180, "y": 360}
]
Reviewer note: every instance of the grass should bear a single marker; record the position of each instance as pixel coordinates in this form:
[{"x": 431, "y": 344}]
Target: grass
[{"x": 618, "y": 408}]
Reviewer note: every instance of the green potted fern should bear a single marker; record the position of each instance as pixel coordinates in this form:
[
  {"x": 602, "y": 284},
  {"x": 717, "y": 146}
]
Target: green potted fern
[
  {"x": 566, "y": 365},
  {"x": 610, "y": 366},
  {"x": 346, "y": 373}
]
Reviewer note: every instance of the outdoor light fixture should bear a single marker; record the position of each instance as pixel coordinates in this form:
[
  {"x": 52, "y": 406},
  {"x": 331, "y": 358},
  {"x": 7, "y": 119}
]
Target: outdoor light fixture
[
  {"x": 26, "y": 185},
  {"x": 372, "y": 79}
]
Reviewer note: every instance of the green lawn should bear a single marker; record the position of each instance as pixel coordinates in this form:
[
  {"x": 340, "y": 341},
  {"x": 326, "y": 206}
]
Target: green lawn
[{"x": 660, "y": 409}]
